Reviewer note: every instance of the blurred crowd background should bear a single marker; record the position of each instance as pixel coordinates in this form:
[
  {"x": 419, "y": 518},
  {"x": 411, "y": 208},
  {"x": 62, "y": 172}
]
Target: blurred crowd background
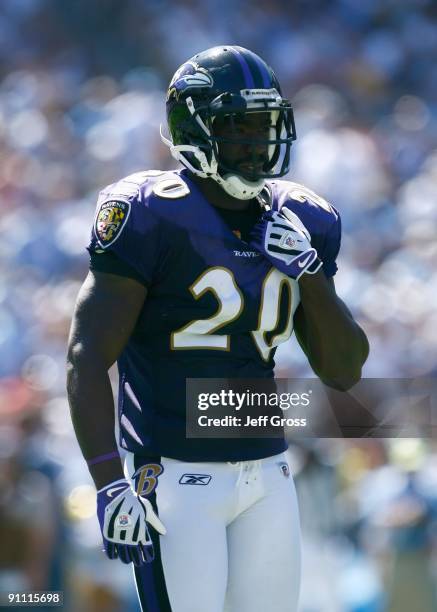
[{"x": 82, "y": 88}]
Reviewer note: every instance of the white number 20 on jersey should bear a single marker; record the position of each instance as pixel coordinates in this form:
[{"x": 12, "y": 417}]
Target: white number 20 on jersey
[{"x": 200, "y": 334}]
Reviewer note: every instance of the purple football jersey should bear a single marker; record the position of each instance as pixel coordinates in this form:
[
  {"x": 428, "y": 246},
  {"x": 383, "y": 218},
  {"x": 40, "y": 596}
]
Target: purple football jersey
[{"x": 214, "y": 307}]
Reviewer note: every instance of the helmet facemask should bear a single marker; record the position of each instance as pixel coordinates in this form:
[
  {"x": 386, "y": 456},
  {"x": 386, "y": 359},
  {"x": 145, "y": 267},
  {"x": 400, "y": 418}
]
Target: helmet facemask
[
  {"x": 254, "y": 145},
  {"x": 203, "y": 130}
]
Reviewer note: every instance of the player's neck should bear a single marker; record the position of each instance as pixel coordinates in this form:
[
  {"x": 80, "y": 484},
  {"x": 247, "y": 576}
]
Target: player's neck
[{"x": 217, "y": 196}]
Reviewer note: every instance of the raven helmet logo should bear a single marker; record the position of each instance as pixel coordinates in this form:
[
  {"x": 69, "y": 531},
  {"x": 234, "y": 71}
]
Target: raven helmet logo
[
  {"x": 187, "y": 76},
  {"x": 110, "y": 220}
]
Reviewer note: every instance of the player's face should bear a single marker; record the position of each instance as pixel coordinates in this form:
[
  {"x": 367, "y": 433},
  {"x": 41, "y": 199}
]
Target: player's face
[{"x": 244, "y": 158}]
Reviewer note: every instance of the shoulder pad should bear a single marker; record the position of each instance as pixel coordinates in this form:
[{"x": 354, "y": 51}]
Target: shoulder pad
[
  {"x": 300, "y": 193},
  {"x": 129, "y": 187},
  {"x": 114, "y": 206}
]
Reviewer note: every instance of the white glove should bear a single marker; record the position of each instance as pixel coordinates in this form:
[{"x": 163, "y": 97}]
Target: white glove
[
  {"x": 123, "y": 518},
  {"x": 284, "y": 240}
]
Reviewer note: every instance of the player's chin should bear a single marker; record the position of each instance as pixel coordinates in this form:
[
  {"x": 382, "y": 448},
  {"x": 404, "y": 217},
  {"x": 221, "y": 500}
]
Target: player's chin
[
  {"x": 249, "y": 173},
  {"x": 252, "y": 170}
]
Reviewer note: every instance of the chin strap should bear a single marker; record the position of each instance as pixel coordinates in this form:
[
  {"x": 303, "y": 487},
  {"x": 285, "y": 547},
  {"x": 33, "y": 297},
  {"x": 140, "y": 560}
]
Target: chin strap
[
  {"x": 233, "y": 184},
  {"x": 239, "y": 187}
]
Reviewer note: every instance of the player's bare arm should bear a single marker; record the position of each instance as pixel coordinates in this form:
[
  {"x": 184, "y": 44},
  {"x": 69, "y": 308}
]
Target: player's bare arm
[
  {"x": 106, "y": 311},
  {"x": 334, "y": 343}
]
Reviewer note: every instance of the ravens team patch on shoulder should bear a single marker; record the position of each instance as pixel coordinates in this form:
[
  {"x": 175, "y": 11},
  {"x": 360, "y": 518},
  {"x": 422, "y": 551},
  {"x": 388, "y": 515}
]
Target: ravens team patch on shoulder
[{"x": 110, "y": 220}]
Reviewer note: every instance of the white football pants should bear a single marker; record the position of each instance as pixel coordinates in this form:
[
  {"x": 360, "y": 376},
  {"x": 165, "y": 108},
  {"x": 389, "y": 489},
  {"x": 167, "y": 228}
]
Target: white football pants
[{"x": 233, "y": 536}]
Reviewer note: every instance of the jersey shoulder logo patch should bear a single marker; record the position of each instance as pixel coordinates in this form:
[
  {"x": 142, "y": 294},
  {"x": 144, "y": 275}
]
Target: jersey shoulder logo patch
[{"x": 110, "y": 219}]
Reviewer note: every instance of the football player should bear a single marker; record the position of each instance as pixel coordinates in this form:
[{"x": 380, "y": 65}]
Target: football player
[{"x": 201, "y": 273}]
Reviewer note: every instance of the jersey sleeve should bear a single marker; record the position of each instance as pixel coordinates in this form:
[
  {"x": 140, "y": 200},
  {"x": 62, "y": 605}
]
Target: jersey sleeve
[
  {"x": 328, "y": 252},
  {"x": 125, "y": 229},
  {"x": 111, "y": 264}
]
